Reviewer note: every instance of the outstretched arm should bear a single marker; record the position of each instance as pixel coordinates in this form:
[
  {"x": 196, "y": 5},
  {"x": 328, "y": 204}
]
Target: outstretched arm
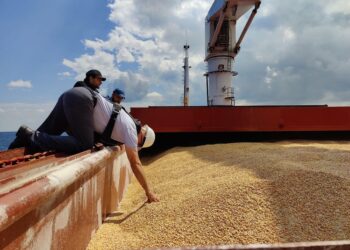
[{"x": 137, "y": 169}]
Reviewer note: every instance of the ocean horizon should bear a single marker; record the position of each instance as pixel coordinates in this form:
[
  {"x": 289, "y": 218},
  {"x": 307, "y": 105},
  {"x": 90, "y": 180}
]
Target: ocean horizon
[{"x": 5, "y": 139}]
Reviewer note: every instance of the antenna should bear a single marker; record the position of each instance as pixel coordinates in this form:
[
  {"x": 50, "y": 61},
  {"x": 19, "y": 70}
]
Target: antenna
[{"x": 186, "y": 76}]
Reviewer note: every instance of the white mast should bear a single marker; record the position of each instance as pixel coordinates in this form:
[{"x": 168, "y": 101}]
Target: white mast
[{"x": 186, "y": 76}]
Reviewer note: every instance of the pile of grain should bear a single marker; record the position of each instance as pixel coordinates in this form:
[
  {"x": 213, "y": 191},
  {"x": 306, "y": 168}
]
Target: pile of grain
[{"x": 238, "y": 193}]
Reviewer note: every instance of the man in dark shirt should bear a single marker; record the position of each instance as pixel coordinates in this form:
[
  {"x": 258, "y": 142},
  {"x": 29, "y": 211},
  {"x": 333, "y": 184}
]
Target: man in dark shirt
[{"x": 73, "y": 114}]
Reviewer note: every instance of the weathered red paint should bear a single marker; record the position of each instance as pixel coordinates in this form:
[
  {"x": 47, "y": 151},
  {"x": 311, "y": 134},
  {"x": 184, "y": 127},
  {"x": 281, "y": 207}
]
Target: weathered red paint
[
  {"x": 20, "y": 171},
  {"x": 8, "y": 154},
  {"x": 23, "y": 159},
  {"x": 245, "y": 118},
  {"x": 44, "y": 205},
  {"x": 21, "y": 156}
]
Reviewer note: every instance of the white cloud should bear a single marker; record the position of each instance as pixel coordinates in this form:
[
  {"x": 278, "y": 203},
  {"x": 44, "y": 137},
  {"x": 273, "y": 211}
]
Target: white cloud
[
  {"x": 124, "y": 55},
  {"x": 151, "y": 99},
  {"x": 41, "y": 110},
  {"x": 152, "y": 38},
  {"x": 267, "y": 10},
  {"x": 290, "y": 54},
  {"x": 154, "y": 96},
  {"x": 288, "y": 35},
  {"x": 271, "y": 73},
  {"x": 338, "y": 6},
  {"x": 66, "y": 74},
  {"x": 187, "y": 8},
  {"x": 99, "y": 60},
  {"x": 13, "y": 115},
  {"x": 20, "y": 84}
]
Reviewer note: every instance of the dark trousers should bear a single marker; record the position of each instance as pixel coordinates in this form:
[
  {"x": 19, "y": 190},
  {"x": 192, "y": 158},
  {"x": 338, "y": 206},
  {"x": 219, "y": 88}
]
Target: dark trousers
[{"x": 72, "y": 114}]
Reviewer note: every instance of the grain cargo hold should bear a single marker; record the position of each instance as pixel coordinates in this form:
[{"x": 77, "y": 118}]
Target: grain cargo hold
[{"x": 239, "y": 193}]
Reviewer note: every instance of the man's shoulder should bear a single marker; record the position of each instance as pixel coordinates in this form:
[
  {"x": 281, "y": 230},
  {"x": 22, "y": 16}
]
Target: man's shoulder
[
  {"x": 125, "y": 117},
  {"x": 103, "y": 99},
  {"x": 123, "y": 111},
  {"x": 79, "y": 84}
]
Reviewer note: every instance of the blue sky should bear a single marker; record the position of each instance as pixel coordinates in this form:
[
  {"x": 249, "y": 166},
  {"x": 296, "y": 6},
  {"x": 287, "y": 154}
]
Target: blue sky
[
  {"x": 37, "y": 35},
  {"x": 296, "y": 52}
]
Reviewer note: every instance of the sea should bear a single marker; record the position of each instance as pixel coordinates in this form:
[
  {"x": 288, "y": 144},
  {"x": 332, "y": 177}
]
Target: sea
[{"x": 5, "y": 139}]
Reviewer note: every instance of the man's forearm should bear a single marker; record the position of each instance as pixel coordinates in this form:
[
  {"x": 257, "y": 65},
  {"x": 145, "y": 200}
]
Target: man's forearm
[
  {"x": 140, "y": 176},
  {"x": 137, "y": 169}
]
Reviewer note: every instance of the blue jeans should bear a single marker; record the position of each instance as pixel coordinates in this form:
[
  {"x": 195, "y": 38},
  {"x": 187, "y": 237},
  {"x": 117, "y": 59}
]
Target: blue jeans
[{"x": 41, "y": 141}]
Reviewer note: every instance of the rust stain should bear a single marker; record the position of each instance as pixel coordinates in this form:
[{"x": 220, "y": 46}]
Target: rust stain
[{"x": 57, "y": 204}]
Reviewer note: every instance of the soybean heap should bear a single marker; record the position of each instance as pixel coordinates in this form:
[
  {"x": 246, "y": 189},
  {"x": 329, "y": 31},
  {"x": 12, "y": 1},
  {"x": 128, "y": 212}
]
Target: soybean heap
[{"x": 239, "y": 193}]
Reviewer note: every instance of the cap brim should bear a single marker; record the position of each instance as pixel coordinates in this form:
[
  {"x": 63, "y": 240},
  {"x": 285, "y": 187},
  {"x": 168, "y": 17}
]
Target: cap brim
[{"x": 103, "y": 79}]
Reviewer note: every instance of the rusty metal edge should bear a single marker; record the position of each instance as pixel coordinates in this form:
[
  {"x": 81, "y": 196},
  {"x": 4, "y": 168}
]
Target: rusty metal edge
[
  {"x": 11, "y": 153},
  {"x": 12, "y": 173},
  {"x": 16, "y": 174},
  {"x": 11, "y": 209},
  {"x": 26, "y": 161},
  {"x": 329, "y": 245},
  {"x": 47, "y": 162}
]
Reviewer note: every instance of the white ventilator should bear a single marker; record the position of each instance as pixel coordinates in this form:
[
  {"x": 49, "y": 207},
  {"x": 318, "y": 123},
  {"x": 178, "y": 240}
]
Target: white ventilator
[{"x": 222, "y": 47}]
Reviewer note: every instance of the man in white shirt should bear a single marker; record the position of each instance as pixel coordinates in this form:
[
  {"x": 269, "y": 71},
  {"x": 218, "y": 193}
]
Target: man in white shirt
[
  {"x": 80, "y": 111},
  {"x": 125, "y": 131}
]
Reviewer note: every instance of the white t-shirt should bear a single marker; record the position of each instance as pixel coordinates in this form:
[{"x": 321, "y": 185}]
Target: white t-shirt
[{"x": 124, "y": 130}]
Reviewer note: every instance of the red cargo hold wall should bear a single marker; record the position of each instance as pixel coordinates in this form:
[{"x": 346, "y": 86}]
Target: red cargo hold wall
[{"x": 245, "y": 118}]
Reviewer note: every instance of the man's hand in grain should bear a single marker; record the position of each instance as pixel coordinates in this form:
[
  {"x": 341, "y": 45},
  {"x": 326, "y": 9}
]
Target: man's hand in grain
[
  {"x": 152, "y": 197},
  {"x": 137, "y": 169}
]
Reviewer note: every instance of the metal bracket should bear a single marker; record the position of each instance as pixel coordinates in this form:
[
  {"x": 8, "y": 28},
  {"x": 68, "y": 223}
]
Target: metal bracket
[
  {"x": 246, "y": 27},
  {"x": 218, "y": 28}
]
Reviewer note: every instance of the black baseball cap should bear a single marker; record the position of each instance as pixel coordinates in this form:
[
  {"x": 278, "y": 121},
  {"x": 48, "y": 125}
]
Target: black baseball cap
[{"x": 95, "y": 73}]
